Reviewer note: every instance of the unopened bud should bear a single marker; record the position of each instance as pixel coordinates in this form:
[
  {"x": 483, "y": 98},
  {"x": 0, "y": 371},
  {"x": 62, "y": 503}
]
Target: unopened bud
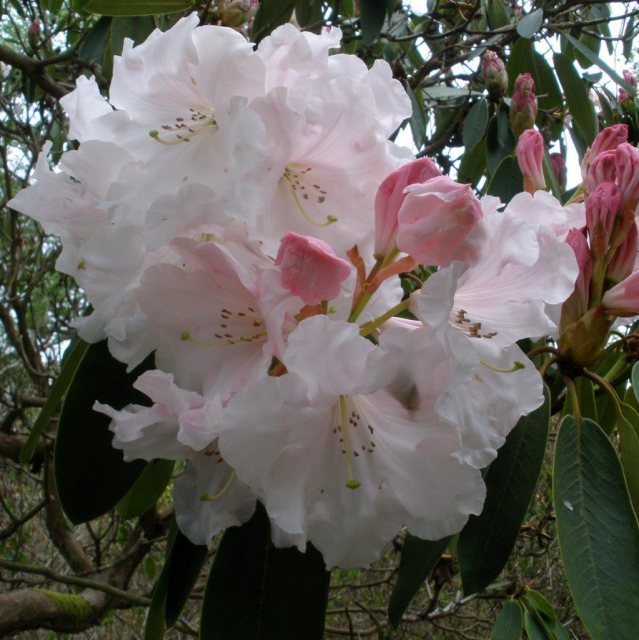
[
  {"x": 607, "y": 140},
  {"x": 602, "y": 169},
  {"x": 495, "y": 75},
  {"x": 34, "y": 32},
  {"x": 627, "y": 169},
  {"x": 558, "y": 166},
  {"x": 435, "y": 221},
  {"x": 523, "y": 105},
  {"x": 310, "y": 269},
  {"x": 625, "y": 258},
  {"x": 626, "y": 98},
  {"x": 530, "y": 156},
  {"x": 602, "y": 206},
  {"x": 578, "y": 302},
  {"x": 233, "y": 14},
  {"x": 390, "y": 197}
]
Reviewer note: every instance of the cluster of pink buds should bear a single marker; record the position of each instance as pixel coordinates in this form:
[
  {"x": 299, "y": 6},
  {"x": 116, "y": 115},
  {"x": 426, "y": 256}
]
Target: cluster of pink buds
[
  {"x": 495, "y": 76},
  {"x": 523, "y": 105},
  {"x": 606, "y": 249}
]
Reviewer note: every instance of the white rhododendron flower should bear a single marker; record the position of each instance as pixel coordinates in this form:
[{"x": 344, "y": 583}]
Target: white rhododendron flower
[{"x": 220, "y": 213}]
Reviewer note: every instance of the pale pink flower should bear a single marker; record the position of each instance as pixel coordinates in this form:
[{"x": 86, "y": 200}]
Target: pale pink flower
[
  {"x": 310, "y": 269},
  {"x": 435, "y": 221},
  {"x": 623, "y": 299}
]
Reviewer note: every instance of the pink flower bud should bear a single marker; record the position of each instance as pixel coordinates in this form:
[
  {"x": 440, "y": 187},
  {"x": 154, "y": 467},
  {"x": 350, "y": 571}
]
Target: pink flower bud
[
  {"x": 34, "y": 32},
  {"x": 627, "y": 169},
  {"x": 623, "y": 299},
  {"x": 625, "y": 258},
  {"x": 576, "y": 240},
  {"x": 530, "y": 156},
  {"x": 558, "y": 165},
  {"x": 602, "y": 206},
  {"x": 607, "y": 140},
  {"x": 310, "y": 269},
  {"x": 494, "y": 73},
  {"x": 390, "y": 197},
  {"x": 523, "y": 106},
  {"x": 602, "y": 169},
  {"x": 625, "y": 98},
  {"x": 435, "y": 221}
]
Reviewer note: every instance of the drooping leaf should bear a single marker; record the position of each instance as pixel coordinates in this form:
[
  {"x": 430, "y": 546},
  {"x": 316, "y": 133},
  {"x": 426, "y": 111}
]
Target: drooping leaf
[
  {"x": 417, "y": 561},
  {"x": 507, "y": 180},
  {"x": 475, "y": 123},
  {"x": 508, "y": 625},
  {"x": 497, "y": 13},
  {"x": 372, "y": 14},
  {"x": 628, "y": 38},
  {"x": 181, "y": 569},
  {"x": 147, "y": 489},
  {"x": 634, "y": 378},
  {"x": 70, "y": 362},
  {"x": 472, "y": 165},
  {"x": 581, "y": 108},
  {"x": 418, "y": 118},
  {"x": 136, "y": 7},
  {"x": 91, "y": 475},
  {"x": 540, "y": 619},
  {"x": 597, "y": 530},
  {"x": 487, "y": 540},
  {"x": 271, "y": 14},
  {"x": 137, "y": 28},
  {"x": 593, "y": 58},
  {"x": 94, "y": 45},
  {"x": 528, "y": 26},
  {"x": 628, "y": 428},
  {"x": 258, "y": 592}
]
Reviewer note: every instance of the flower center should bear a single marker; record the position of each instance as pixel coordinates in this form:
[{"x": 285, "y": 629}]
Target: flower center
[
  {"x": 459, "y": 319},
  {"x": 232, "y": 327},
  {"x": 184, "y": 129},
  {"x": 303, "y": 191}
]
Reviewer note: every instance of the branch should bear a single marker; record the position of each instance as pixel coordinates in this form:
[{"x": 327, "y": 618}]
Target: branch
[{"x": 35, "y": 70}]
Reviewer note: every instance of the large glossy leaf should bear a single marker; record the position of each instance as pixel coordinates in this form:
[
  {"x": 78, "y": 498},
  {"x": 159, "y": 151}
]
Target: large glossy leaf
[
  {"x": 598, "y": 531},
  {"x": 540, "y": 619},
  {"x": 528, "y": 26},
  {"x": 508, "y": 625},
  {"x": 417, "y": 561},
  {"x": 182, "y": 567},
  {"x": 136, "y": 7},
  {"x": 269, "y": 15},
  {"x": 147, "y": 490},
  {"x": 628, "y": 428},
  {"x": 593, "y": 58},
  {"x": 500, "y": 141},
  {"x": 70, "y": 362},
  {"x": 581, "y": 108},
  {"x": 258, "y": 592},
  {"x": 91, "y": 475},
  {"x": 475, "y": 123},
  {"x": 486, "y": 541},
  {"x": 373, "y": 14},
  {"x": 507, "y": 180},
  {"x": 94, "y": 45}
]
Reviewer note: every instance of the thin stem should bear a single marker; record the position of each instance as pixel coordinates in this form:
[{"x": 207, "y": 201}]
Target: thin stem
[{"x": 369, "y": 327}]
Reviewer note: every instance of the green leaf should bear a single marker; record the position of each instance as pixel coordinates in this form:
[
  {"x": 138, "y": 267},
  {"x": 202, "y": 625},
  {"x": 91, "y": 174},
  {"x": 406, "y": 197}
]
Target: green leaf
[
  {"x": 70, "y": 362},
  {"x": 508, "y": 625},
  {"x": 136, "y": 28},
  {"x": 418, "y": 559},
  {"x": 628, "y": 429},
  {"x": 634, "y": 378},
  {"x": 540, "y": 618},
  {"x": 258, "y": 592},
  {"x": 497, "y": 14},
  {"x": 534, "y": 629},
  {"x": 417, "y": 120},
  {"x": 147, "y": 490},
  {"x": 528, "y": 26},
  {"x": 181, "y": 569},
  {"x": 628, "y": 38},
  {"x": 598, "y": 531},
  {"x": 136, "y": 7},
  {"x": 472, "y": 165},
  {"x": 586, "y": 398},
  {"x": 507, "y": 180},
  {"x": 475, "y": 123},
  {"x": 593, "y": 58},
  {"x": 95, "y": 43},
  {"x": 91, "y": 475},
  {"x": 500, "y": 140},
  {"x": 271, "y": 14},
  {"x": 581, "y": 108},
  {"x": 487, "y": 540},
  {"x": 372, "y": 14}
]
